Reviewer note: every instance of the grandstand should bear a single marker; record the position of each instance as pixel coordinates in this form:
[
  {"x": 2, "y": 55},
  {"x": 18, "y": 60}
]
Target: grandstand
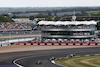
[
  {"x": 15, "y": 26},
  {"x": 55, "y": 31},
  {"x": 73, "y": 31},
  {"x": 11, "y": 28}
]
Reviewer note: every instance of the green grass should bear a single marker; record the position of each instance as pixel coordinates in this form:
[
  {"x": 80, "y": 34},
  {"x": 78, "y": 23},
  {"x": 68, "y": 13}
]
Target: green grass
[{"x": 88, "y": 61}]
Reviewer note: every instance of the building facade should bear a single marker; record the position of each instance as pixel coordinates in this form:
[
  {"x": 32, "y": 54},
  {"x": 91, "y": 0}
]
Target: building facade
[{"x": 67, "y": 31}]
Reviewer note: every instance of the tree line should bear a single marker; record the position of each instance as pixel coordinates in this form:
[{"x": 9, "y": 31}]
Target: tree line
[{"x": 5, "y": 19}]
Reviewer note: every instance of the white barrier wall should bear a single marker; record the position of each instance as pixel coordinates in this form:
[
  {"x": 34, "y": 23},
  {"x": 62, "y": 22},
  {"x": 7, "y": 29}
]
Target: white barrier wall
[{"x": 7, "y": 42}]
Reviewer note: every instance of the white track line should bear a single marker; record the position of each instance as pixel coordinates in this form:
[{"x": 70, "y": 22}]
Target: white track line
[
  {"x": 86, "y": 55},
  {"x": 58, "y": 64},
  {"x": 14, "y": 62},
  {"x": 17, "y": 64}
]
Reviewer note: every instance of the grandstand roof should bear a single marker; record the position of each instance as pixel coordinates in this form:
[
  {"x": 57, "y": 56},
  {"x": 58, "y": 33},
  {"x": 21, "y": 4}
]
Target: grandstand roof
[{"x": 67, "y": 22}]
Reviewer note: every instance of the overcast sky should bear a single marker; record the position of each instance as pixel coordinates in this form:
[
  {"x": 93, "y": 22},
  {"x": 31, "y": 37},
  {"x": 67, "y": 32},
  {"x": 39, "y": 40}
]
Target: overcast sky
[{"x": 48, "y": 3}]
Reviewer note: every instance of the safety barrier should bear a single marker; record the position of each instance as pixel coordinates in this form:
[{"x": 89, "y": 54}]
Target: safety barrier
[
  {"x": 21, "y": 44},
  {"x": 5, "y": 44},
  {"x": 42, "y": 44},
  {"x": 16, "y": 44},
  {"x": 35, "y": 44},
  {"x": 63, "y": 44},
  {"x": 28, "y": 43},
  {"x": 56, "y": 44},
  {"x": 70, "y": 44},
  {"x": 98, "y": 44},
  {"x": 49, "y": 44},
  {"x": 92, "y": 44},
  {"x": 1, "y": 45},
  {"x": 84, "y": 44},
  {"x": 77, "y": 44}
]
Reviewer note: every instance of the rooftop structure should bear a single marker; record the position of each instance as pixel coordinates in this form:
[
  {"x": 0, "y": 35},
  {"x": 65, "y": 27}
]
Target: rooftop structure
[{"x": 67, "y": 22}]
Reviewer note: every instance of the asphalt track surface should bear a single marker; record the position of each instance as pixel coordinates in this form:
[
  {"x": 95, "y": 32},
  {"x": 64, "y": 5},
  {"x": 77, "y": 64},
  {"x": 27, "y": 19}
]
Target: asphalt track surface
[{"x": 30, "y": 57}]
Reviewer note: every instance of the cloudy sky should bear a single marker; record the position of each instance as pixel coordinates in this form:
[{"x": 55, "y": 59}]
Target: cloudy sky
[{"x": 48, "y": 3}]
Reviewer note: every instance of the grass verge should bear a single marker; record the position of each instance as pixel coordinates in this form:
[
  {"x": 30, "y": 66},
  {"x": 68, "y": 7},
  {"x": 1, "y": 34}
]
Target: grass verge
[{"x": 88, "y": 61}]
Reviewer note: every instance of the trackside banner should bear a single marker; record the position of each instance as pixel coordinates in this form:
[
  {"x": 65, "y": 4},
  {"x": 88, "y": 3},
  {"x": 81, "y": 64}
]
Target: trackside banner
[
  {"x": 48, "y": 43},
  {"x": 56, "y": 44},
  {"x": 21, "y": 43},
  {"x": 98, "y": 44},
  {"x": 78, "y": 44},
  {"x": 42, "y": 43},
  {"x": 70, "y": 44},
  {"x": 28, "y": 43},
  {"x": 63, "y": 44},
  {"x": 92, "y": 44},
  {"x": 35, "y": 44},
  {"x": 15, "y": 43},
  {"x": 84, "y": 44}
]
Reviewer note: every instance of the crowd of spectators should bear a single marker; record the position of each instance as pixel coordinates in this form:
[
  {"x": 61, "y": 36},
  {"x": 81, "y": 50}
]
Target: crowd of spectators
[
  {"x": 10, "y": 26},
  {"x": 81, "y": 34},
  {"x": 68, "y": 27},
  {"x": 68, "y": 33}
]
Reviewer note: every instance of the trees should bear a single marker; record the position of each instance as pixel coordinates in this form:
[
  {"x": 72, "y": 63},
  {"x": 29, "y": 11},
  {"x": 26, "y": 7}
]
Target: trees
[
  {"x": 49, "y": 13},
  {"x": 5, "y": 15},
  {"x": 14, "y": 16},
  {"x": 31, "y": 18},
  {"x": 57, "y": 18},
  {"x": 55, "y": 13},
  {"x": 41, "y": 16},
  {"x": 49, "y": 18},
  {"x": 98, "y": 14},
  {"x": 5, "y": 19}
]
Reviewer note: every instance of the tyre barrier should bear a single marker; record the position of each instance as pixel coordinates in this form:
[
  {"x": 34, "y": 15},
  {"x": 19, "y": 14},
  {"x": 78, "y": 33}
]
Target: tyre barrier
[{"x": 57, "y": 44}]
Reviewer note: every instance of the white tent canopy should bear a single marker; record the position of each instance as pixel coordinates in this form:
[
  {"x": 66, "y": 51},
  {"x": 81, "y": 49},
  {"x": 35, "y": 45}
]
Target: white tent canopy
[
  {"x": 67, "y": 22},
  {"x": 72, "y": 39},
  {"x": 77, "y": 40},
  {"x": 60, "y": 39},
  {"x": 92, "y": 39},
  {"x": 86, "y": 40},
  {"x": 65, "y": 39},
  {"x": 42, "y": 22},
  {"x": 54, "y": 39}
]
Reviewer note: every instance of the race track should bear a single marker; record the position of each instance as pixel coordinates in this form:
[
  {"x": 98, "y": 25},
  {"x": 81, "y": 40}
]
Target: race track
[{"x": 29, "y": 58}]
